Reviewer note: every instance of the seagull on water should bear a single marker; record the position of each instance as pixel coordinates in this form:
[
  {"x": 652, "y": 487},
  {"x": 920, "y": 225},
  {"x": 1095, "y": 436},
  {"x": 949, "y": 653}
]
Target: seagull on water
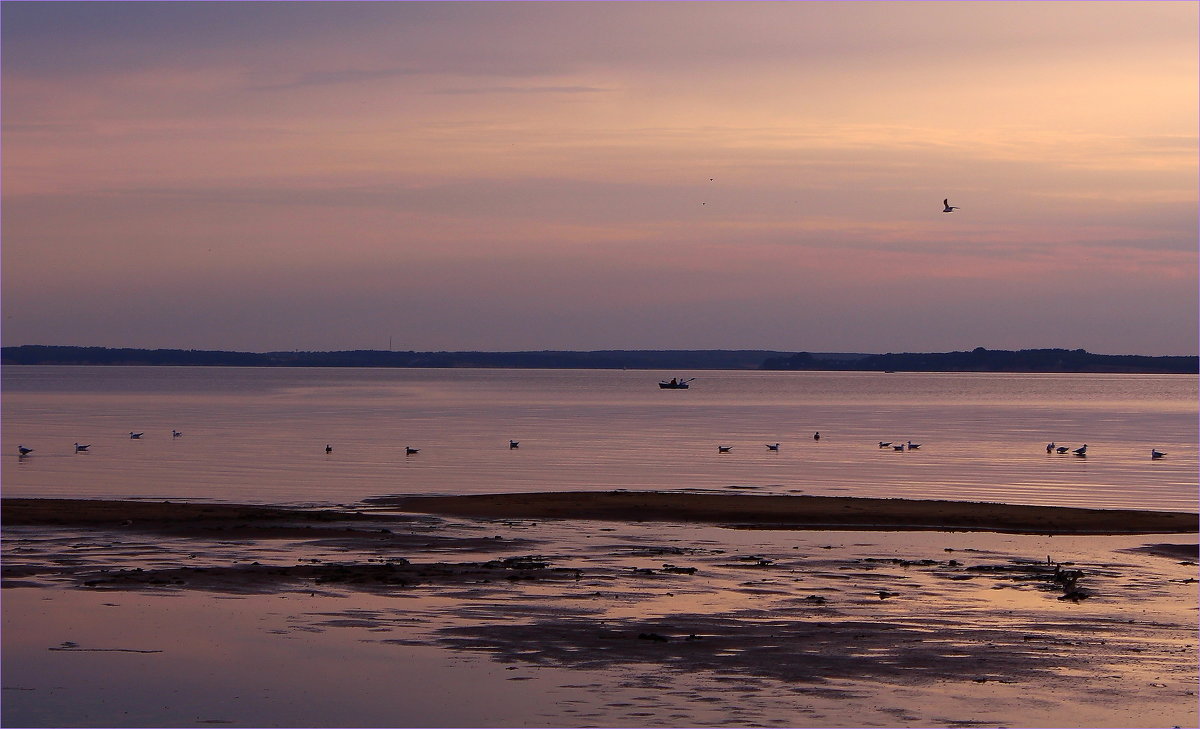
[
  {"x": 79, "y": 447},
  {"x": 175, "y": 433},
  {"x": 1050, "y": 447},
  {"x": 723, "y": 449},
  {"x": 913, "y": 446},
  {"x": 134, "y": 435},
  {"x": 408, "y": 450},
  {"x": 1062, "y": 449},
  {"x": 884, "y": 443},
  {"x": 817, "y": 435},
  {"x": 1081, "y": 450},
  {"x": 772, "y": 446},
  {"x": 898, "y": 447},
  {"x": 1156, "y": 453},
  {"x": 328, "y": 448},
  {"x": 947, "y": 207},
  {"x": 514, "y": 443},
  {"x": 22, "y": 450}
]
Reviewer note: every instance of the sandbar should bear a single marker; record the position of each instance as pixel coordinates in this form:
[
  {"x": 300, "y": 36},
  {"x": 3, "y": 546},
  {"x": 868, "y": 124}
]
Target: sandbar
[
  {"x": 801, "y": 512},
  {"x": 731, "y": 510},
  {"x": 101, "y": 512}
]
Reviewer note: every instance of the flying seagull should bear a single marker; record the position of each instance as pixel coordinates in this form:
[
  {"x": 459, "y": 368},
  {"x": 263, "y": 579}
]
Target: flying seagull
[{"x": 947, "y": 207}]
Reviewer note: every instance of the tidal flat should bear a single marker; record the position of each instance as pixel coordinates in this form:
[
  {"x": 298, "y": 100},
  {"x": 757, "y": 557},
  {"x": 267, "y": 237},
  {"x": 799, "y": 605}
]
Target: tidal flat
[{"x": 380, "y": 613}]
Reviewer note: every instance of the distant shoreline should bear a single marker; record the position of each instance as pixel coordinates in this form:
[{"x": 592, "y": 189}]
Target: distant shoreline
[{"x": 976, "y": 360}]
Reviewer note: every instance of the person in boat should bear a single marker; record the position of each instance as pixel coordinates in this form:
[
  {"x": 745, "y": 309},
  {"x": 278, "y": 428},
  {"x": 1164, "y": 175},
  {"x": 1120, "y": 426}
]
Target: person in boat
[{"x": 674, "y": 382}]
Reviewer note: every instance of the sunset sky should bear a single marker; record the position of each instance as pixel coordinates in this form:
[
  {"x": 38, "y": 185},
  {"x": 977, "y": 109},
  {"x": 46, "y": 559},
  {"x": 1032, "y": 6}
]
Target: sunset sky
[{"x": 601, "y": 175}]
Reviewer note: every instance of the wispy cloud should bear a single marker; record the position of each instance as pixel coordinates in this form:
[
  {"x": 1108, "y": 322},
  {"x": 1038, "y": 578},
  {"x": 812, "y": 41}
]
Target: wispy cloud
[
  {"x": 519, "y": 90},
  {"x": 576, "y": 165},
  {"x": 332, "y": 78}
]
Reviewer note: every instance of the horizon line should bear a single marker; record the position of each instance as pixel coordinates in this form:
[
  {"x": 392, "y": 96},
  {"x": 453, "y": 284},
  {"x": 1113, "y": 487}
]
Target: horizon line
[{"x": 591, "y": 351}]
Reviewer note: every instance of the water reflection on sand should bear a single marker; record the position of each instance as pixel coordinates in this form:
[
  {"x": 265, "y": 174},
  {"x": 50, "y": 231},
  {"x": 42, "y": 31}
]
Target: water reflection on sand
[{"x": 771, "y": 629}]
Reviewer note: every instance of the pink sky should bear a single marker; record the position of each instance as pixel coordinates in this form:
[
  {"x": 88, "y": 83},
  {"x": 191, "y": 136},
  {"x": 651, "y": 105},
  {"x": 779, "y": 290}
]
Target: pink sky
[{"x": 510, "y": 176}]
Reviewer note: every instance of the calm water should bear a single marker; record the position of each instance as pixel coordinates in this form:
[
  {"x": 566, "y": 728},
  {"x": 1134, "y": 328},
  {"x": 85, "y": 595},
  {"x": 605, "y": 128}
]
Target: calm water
[{"x": 259, "y": 435}]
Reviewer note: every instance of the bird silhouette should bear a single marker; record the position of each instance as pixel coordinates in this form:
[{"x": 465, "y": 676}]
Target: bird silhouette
[
  {"x": 1081, "y": 450},
  {"x": 772, "y": 446},
  {"x": 22, "y": 450},
  {"x": 175, "y": 433},
  {"x": 723, "y": 449},
  {"x": 79, "y": 447},
  {"x": 947, "y": 207},
  {"x": 1062, "y": 449},
  {"x": 134, "y": 436},
  {"x": 884, "y": 443},
  {"x": 1156, "y": 453},
  {"x": 513, "y": 443},
  {"x": 817, "y": 435},
  {"x": 408, "y": 450},
  {"x": 913, "y": 446},
  {"x": 328, "y": 448}
]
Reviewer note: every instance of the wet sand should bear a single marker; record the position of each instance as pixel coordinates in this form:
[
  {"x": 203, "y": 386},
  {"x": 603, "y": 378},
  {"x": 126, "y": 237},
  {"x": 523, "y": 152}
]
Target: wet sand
[{"x": 619, "y": 615}]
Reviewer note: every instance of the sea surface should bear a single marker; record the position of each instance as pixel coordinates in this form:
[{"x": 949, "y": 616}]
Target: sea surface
[
  {"x": 258, "y": 435},
  {"x": 509, "y": 653}
]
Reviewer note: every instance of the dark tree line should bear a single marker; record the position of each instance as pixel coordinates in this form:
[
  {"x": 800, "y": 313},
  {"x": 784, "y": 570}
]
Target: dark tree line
[
  {"x": 608, "y": 359},
  {"x": 993, "y": 360},
  {"x": 976, "y": 360}
]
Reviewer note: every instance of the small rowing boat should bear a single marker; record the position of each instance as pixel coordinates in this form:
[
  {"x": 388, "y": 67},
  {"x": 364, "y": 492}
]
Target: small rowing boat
[{"x": 674, "y": 384}]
